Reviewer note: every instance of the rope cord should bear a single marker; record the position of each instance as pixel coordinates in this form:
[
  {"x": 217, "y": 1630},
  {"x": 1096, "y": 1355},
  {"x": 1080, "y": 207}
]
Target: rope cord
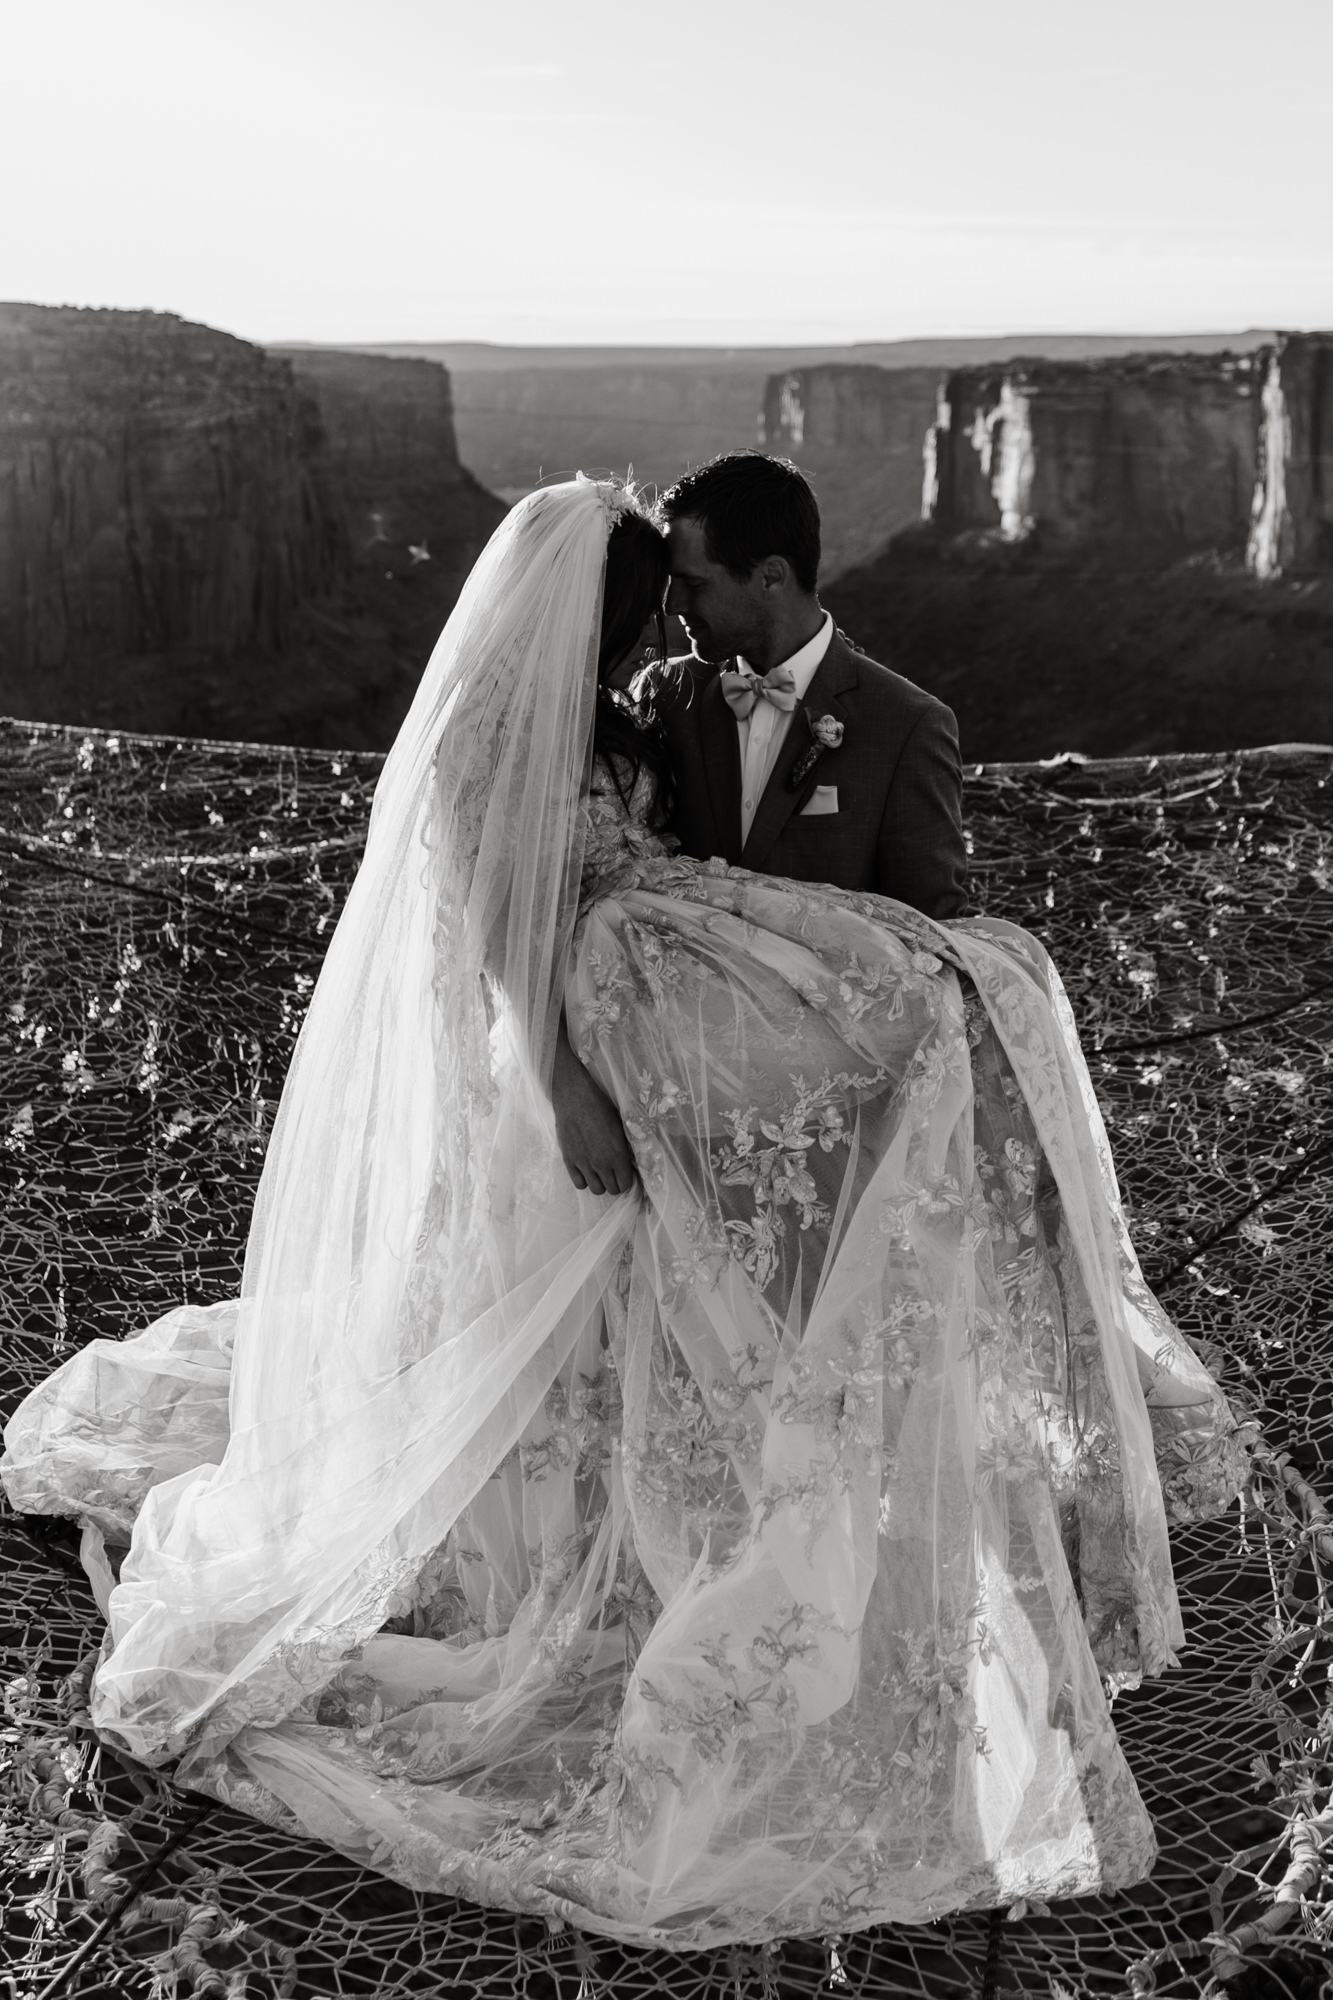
[{"x": 138, "y": 1075}]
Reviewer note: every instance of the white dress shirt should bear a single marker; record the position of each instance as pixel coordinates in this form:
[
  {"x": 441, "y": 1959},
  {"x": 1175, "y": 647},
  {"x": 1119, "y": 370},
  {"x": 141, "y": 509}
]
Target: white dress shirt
[{"x": 764, "y": 730}]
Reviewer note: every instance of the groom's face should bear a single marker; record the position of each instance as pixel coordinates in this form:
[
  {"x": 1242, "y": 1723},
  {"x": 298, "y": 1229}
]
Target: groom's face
[{"x": 722, "y": 614}]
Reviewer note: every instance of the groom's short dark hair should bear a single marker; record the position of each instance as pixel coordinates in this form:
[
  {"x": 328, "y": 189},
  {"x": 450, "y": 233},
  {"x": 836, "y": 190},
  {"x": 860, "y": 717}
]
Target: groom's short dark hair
[{"x": 751, "y": 506}]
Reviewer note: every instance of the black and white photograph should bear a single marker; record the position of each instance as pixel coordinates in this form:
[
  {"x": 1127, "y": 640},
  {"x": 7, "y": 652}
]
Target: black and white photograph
[{"x": 666, "y": 1000}]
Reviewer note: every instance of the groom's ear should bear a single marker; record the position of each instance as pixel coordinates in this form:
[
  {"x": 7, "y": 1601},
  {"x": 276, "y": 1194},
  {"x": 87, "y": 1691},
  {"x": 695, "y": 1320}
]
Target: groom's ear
[{"x": 774, "y": 573}]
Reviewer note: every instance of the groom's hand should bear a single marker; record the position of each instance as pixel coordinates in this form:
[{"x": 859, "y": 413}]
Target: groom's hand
[{"x": 587, "y": 1125}]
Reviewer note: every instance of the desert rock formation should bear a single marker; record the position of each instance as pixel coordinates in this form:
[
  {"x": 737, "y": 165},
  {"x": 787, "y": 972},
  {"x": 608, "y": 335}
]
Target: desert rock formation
[
  {"x": 388, "y": 428},
  {"x": 857, "y": 433},
  {"x": 160, "y": 488},
  {"x": 199, "y": 536},
  {"x": 523, "y": 413},
  {"x": 1137, "y": 458},
  {"x": 1296, "y": 477},
  {"x": 526, "y": 424},
  {"x": 1115, "y": 556},
  {"x": 1156, "y": 454}
]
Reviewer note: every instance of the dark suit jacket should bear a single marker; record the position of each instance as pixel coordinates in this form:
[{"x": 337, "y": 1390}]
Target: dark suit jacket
[{"x": 898, "y": 829}]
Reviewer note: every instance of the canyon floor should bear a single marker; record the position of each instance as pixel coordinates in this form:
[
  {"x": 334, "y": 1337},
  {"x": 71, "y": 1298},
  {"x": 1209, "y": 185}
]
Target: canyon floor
[
  {"x": 343, "y": 680},
  {"x": 1034, "y": 660}
]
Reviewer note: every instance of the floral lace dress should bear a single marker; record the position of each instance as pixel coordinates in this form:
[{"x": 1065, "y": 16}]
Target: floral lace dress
[{"x": 796, "y": 1605}]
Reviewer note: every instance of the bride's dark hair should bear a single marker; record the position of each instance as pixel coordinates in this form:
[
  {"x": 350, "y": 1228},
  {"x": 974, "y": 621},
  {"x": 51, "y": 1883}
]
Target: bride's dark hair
[{"x": 626, "y": 733}]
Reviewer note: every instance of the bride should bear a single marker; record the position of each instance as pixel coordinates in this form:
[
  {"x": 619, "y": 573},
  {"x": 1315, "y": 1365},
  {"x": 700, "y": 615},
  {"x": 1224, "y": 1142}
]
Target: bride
[{"x": 746, "y": 1554}]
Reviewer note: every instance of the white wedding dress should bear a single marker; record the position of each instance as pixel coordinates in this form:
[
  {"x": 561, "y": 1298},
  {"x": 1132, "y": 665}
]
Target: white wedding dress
[{"x": 746, "y": 1559}]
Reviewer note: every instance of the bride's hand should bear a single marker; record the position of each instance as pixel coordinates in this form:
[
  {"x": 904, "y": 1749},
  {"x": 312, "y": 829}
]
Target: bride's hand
[{"x": 591, "y": 1137}]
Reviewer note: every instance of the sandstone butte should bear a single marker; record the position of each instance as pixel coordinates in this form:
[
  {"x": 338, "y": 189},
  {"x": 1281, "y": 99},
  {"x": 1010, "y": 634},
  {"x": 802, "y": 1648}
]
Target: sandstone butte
[
  {"x": 1123, "y": 555},
  {"x": 1153, "y": 454},
  {"x": 525, "y": 412},
  {"x": 1101, "y": 552},
  {"x": 199, "y": 536}
]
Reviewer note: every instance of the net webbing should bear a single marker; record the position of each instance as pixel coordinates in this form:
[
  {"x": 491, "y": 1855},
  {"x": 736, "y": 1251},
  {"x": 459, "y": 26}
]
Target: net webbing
[{"x": 163, "y": 909}]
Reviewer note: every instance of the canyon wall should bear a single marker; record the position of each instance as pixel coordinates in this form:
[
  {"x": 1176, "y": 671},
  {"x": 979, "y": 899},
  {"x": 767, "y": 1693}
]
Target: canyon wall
[
  {"x": 1136, "y": 459},
  {"x": 1116, "y": 556},
  {"x": 856, "y": 432},
  {"x": 200, "y": 537},
  {"x": 1145, "y": 459},
  {"x": 517, "y": 426},
  {"x": 1297, "y": 473},
  {"x": 161, "y": 488},
  {"x": 523, "y": 413},
  {"x": 1156, "y": 454},
  {"x": 392, "y": 455}
]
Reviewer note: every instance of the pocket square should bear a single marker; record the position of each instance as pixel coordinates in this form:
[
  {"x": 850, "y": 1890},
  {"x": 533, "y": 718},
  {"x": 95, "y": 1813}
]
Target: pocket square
[{"x": 823, "y": 799}]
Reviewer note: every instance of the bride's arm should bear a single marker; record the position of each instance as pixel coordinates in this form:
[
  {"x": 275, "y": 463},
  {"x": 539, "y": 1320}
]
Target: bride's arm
[{"x": 588, "y": 1128}]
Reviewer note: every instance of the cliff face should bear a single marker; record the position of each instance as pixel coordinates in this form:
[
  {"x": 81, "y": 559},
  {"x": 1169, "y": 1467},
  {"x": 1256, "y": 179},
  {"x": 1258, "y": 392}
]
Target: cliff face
[
  {"x": 527, "y": 413},
  {"x": 160, "y": 489},
  {"x": 1139, "y": 458},
  {"x": 1119, "y": 556},
  {"x": 1296, "y": 494},
  {"x": 392, "y": 455},
  {"x": 519, "y": 425},
  {"x": 199, "y": 537},
  {"x": 1147, "y": 458},
  {"x": 1110, "y": 555},
  {"x": 524, "y": 412},
  {"x": 1152, "y": 450},
  {"x": 857, "y": 433}
]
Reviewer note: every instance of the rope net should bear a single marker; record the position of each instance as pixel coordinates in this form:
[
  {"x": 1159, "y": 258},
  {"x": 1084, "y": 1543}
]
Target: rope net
[{"x": 163, "y": 909}]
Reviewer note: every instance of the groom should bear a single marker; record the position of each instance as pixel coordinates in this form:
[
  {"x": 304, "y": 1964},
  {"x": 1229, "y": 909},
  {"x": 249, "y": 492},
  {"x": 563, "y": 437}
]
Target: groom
[{"x": 793, "y": 754}]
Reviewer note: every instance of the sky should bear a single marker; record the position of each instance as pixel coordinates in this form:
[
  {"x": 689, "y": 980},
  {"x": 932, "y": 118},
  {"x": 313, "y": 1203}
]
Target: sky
[{"x": 797, "y": 171}]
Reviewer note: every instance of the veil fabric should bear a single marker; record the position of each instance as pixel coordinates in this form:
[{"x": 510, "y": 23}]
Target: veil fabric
[
  {"x": 415, "y": 1244},
  {"x": 746, "y": 1557}
]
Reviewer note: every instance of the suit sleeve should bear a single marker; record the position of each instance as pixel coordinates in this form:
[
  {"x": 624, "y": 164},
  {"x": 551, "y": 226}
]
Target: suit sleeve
[{"x": 922, "y": 856}]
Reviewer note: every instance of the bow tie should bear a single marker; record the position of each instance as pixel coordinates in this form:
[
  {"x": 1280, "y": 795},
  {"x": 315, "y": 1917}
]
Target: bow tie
[{"x": 743, "y": 688}]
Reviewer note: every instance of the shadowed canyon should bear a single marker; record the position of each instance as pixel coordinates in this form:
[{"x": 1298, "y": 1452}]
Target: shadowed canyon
[
  {"x": 1136, "y": 550},
  {"x": 1083, "y": 548},
  {"x": 200, "y": 537}
]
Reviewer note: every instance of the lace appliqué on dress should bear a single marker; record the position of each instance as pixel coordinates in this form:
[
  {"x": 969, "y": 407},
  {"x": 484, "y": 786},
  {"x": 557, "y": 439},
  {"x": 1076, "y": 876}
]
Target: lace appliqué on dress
[{"x": 619, "y": 838}]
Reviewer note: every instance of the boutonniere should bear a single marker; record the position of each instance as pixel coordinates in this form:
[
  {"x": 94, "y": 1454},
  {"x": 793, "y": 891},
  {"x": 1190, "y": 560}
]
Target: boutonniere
[{"x": 825, "y": 734}]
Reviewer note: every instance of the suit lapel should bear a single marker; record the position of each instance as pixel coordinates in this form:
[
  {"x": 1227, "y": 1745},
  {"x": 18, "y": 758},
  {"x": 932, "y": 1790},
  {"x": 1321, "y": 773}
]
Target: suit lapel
[
  {"x": 834, "y": 678},
  {"x": 722, "y": 766}
]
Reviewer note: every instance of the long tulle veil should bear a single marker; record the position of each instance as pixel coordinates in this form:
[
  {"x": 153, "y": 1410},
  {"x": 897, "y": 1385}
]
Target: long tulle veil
[{"x": 391, "y": 1343}]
